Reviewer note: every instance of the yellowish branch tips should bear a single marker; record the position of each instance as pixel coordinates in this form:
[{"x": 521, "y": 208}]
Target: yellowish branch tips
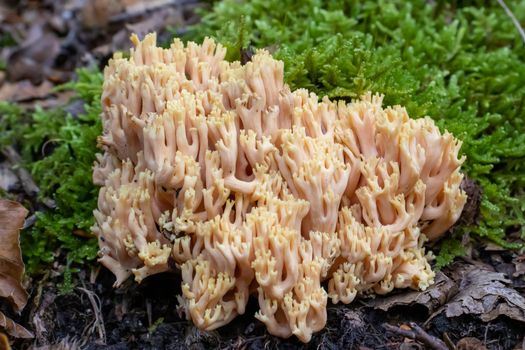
[{"x": 254, "y": 189}]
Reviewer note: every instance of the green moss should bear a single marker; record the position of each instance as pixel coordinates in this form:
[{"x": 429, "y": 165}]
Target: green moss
[
  {"x": 461, "y": 65},
  {"x": 450, "y": 249},
  {"x": 59, "y": 150},
  {"x": 10, "y": 120}
]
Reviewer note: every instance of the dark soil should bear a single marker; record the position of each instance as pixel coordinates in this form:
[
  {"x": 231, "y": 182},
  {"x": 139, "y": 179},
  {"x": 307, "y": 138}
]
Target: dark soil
[{"x": 145, "y": 316}]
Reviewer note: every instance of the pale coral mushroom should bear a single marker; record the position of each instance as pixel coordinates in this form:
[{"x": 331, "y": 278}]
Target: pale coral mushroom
[{"x": 255, "y": 190}]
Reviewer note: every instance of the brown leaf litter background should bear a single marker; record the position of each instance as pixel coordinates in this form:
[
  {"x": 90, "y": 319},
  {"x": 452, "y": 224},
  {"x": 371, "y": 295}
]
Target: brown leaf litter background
[{"x": 12, "y": 215}]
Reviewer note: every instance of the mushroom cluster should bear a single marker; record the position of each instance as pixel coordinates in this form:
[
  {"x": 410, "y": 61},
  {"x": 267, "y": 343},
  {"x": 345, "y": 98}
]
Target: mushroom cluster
[{"x": 253, "y": 189}]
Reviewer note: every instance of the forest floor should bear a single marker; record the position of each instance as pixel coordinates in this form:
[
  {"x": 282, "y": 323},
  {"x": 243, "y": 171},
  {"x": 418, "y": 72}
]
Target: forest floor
[
  {"x": 478, "y": 302},
  {"x": 472, "y": 305}
]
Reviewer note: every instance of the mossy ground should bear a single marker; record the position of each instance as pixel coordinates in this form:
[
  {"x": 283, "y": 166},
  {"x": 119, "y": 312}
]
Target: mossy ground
[
  {"x": 59, "y": 149},
  {"x": 460, "y": 62}
]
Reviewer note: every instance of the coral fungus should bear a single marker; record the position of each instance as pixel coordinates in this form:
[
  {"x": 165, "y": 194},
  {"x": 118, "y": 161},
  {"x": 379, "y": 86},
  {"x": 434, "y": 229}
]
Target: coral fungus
[{"x": 254, "y": 189}]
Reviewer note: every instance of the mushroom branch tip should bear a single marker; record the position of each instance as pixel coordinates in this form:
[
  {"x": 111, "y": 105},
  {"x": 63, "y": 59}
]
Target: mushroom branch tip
[{"x": 251, "y": 189}]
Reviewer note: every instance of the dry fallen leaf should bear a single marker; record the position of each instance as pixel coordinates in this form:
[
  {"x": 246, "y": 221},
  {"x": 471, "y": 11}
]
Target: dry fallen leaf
[
  {"x": 4, "y": 342},
  {"x": 12, "y": 215},
  {"x": 486, "y": 294},
  {"x": 96, "y": 13},
  {"x": 32, "y": 58},
  {"x": 519, "y": 263},
  {"x": 14, "y": 329},
  {"x": 154, "y": 22},
  {"x": 24, "y": 90},
  {"x": 432, "y": 298},
  {"x": 470, "y": 343}
]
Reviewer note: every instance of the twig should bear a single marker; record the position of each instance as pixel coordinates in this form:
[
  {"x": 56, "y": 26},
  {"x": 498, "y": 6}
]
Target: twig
[
  {"x": 149, "y": 312},
  {"x": 449, "y": 341},
  {"x": 98, "y": 322},
  {"x": 419, "y": 334},
  {"x": 95, "y": 270},
  {"x": 30, "y": 187},
  {"x": 513, "y": 18}
]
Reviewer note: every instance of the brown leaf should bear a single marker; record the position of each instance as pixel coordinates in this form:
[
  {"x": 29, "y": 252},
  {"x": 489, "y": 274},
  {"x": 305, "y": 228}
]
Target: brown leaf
[
  {"x": 486, "y": 294},
  {"x": 14, "y": 329},
  {"x": 12, "y": 216},
  {"x": 152, "y": 23},
  {"x": 35, "y": 55},
  {"x": 432, "y": 298},
  {"x": 14, "y": 159},
  {"x": 519, "y": 263},
  {"x": 96, "y": 13},
  {"x": 470, "y": 343},
  {"x": 4, "y": 342},
  {"x": 25, "y": 90}
]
